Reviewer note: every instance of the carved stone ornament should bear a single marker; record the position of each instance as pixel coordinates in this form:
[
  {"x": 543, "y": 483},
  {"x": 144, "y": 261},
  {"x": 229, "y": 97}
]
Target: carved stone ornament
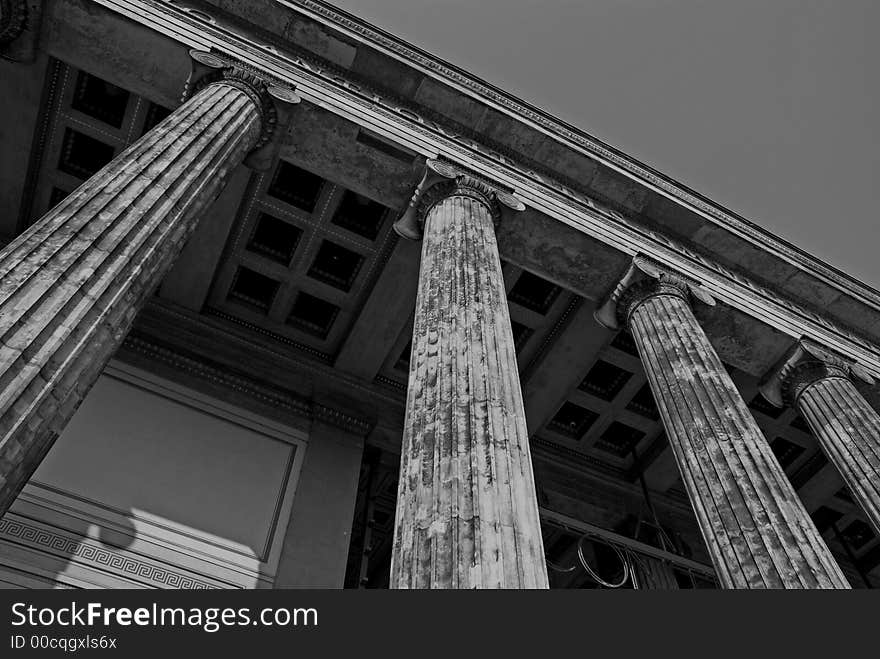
[
  {"x": 268, "y": 93},
  {"x": 803, "y": 365},
  {"x": 13, "y": 17},
  {"x": 646, "y": 278},
  {"x": 440, "y": 180}
]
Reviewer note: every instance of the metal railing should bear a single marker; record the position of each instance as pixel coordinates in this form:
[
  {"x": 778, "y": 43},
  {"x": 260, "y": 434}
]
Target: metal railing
[{"x": 628, "y": 549}]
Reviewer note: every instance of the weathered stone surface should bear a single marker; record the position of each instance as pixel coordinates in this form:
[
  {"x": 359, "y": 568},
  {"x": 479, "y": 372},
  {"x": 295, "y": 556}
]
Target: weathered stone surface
[
  {"x": 849, "y": 431},
  {"x": 467, "y": 513},
  {"x": 653, "y": 574},
  {"x": 845, "y": 425},
  {"x": 71, "y": 285},
  {"x": 756, "y": 529}
]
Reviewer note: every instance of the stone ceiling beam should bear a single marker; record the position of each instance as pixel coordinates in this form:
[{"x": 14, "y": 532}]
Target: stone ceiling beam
[
  {"x": 563, "y": 366},
  {"x": 190, "y": 279},
  {"x": 385, "y": 315}
]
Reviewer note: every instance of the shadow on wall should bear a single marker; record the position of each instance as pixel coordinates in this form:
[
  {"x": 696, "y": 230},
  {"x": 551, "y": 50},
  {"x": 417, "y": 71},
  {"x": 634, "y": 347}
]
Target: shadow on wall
[
  {"x": 33, "y": 554},
  {"x": 152, "y": 485}
]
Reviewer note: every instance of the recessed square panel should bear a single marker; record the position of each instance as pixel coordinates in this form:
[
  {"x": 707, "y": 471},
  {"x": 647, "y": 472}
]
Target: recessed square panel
[
  {"x": 643, "y": 403},
  {"x": 605, "y": 380},
  {"x": 336, "y": 265},
  {"x": 799, "y": 423},
  {"x": 624, "y": 342},
  {"x": 156, "y": 114},
  {"x": 360, "y": 215},
  {"x": 275, "y": 239},
  {"x": 313, "y": 315},
  {"x": 858, "y": 534},
  {"x": 521, "y": 334},
  {"x": 824, "y": 517},
  {"x": 380, "y": 518},
  {"x": 619, "y": 439},
  {"x": 812, "y": 465},
  {"x": 572, "y": 420},
  {"x": 533, "y": 292},
  {"x": 785, "y": 451},
  {"x": 253, "y": 289},
  {"x": 762, "y": 405},
  {"x": 296, "y": 186},
  {"x": 100, "y": 99},
  {"x": 844, "y": 495},
  {"x": 81, "y": 155}
]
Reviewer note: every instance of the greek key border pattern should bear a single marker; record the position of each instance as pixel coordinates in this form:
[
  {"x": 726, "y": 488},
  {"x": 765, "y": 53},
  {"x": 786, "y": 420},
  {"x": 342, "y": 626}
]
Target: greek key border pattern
[{"x": 44, "y": 539}]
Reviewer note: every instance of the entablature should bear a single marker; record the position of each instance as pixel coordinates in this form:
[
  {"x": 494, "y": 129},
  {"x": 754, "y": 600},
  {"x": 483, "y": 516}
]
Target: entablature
[{"x": 851, "y": 319}]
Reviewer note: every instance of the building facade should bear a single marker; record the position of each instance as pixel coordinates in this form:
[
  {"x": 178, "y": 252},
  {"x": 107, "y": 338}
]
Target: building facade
[{"x": 287, "y": 302}]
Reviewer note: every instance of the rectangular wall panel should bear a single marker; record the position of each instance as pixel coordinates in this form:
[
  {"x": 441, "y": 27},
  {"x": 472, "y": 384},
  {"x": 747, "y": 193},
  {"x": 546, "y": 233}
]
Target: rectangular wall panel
[{"x": 155, "y": 485}]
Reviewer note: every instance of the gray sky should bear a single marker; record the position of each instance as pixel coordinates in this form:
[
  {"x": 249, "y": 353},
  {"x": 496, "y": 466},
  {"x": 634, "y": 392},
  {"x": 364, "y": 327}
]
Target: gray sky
[{"x": 768, "y": 107}]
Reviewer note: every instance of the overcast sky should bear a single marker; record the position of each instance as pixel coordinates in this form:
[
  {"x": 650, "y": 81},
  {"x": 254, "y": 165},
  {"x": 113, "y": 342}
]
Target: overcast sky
[{"x": 768, "y": 107}]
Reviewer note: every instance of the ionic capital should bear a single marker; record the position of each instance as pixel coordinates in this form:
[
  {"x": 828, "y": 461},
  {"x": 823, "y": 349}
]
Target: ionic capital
[
  {"x": 807, "y": 362},
  {"x": 20, "y": 22},
  {"x": 643, "y": 280},
  {"x": 13, "y": 17},
  {"x": 442, "y": 180},
  {"x": 271, "y": 95}
]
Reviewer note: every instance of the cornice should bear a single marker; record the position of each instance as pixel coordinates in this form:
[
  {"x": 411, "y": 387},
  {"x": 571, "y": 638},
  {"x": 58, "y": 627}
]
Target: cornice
[
  {"x": 579, "y": 139},
  {"x": 266, "y": 395},
  {"x": 335, "y": 94},
  {"x": 560, "y": 324},
  {"x": 589, "y": 467}
]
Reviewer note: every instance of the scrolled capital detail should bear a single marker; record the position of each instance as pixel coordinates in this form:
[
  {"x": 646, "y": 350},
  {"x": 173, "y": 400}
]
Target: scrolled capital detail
[
  {"x": 644, "y": 280},
  {"x": 442, "y": 180},
  {"x": 804, "y": 365},
  {"x": 13, "y": 18},
  {"x": 264, "y": 90}
]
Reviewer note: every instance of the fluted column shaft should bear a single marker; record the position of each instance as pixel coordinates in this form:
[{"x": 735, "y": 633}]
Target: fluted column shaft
[
  {"x": 467, "y": 513},
  {"x": 757, "y": 531},
  {"x": 653, "y": 574},
  {"x": 71, "y": 285},
  {"x": 848, "y": 430}
]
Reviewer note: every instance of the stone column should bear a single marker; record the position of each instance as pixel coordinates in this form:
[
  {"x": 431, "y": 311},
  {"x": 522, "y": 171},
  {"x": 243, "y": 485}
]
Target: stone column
[
  {"x": 653, "y": 574},
  {"x": 71, "y": 284},
  {"x": 755, "y": 527},
  {"x": 820, "y": 385},
  {"x": 19, "y": 29},
  {"x": 467, "y": 513}
]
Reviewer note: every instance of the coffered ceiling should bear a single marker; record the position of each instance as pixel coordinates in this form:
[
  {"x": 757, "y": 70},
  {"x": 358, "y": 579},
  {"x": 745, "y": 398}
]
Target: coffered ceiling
[{"x": 310, "y": 265}]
